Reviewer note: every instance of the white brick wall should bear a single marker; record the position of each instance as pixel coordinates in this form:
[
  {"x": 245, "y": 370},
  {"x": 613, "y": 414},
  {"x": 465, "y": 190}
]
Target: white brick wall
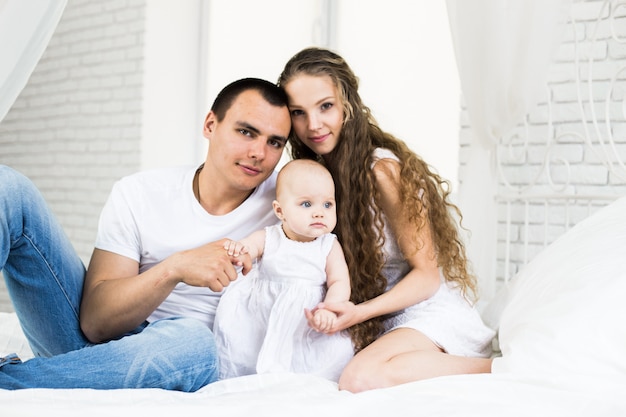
[
  {"x": 75, "y": 128},
  {"x": 577, "y": 160}
]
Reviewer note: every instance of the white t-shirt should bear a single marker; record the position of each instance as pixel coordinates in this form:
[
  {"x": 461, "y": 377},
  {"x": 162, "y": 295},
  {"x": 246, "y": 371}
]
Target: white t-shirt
[{"x": 151, "y": 215}]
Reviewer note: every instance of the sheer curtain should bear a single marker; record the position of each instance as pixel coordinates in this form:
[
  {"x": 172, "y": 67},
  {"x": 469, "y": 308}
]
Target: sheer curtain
[
  {"x": 26, "y": 27},
  {"x": 503, "y": 50}
]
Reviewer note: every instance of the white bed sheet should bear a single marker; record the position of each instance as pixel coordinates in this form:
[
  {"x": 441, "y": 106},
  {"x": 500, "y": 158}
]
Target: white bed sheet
[
  {"x": 304, "y": 395},
  {"x": 301, "y": 395}
]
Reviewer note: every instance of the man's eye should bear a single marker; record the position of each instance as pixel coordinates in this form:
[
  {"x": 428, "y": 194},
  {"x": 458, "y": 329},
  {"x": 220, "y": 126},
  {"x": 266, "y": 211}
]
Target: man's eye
[
  {"x": 245, "y": 132},
  {"x": 278, "y": 144}
]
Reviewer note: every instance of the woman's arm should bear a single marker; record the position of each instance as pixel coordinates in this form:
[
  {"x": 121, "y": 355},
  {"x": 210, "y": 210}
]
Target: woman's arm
[{"x": 422, "y": 280}]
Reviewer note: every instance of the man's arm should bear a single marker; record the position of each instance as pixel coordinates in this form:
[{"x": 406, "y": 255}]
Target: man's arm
[{"x": 117, "y": 299}]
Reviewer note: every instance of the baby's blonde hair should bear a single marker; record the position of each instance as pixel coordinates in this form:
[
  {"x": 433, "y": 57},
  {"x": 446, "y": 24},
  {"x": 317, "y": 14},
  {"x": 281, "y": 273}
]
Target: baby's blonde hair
[{"x": 293, "y": 170}]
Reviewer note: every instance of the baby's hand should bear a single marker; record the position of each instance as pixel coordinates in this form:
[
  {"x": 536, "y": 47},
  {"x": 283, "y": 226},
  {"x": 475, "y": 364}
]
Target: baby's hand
[
  {"x": 239, "y": 256},
  {"x": 235, "y": 248},
  {"x": 323, "y": 320}
]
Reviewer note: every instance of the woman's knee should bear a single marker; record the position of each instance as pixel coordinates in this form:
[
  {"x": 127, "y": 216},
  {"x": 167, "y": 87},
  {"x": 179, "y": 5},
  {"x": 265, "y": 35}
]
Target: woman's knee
[{"x": 358, "y": 377}]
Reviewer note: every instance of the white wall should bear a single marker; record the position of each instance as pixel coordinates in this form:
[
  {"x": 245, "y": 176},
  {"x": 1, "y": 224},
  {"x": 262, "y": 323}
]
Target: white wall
[{"x": 172, "y": 69}]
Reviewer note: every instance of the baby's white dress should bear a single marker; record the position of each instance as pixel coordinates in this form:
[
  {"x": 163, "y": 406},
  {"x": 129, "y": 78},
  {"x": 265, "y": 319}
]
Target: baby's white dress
[{"x": 260, "y": 324}]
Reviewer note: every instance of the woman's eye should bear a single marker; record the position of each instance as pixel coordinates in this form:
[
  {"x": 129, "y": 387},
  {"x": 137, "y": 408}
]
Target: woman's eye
[
  {"x": 327, "y": 106},
  {"x": 297, "y": 112}
]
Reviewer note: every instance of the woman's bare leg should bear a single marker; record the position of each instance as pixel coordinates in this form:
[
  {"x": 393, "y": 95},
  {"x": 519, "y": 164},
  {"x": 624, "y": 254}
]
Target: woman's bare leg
[{"x": 404, "y": 355}]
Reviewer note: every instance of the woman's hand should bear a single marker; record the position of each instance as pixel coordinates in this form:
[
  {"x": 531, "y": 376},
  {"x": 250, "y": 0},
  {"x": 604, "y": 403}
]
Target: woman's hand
[{"x": 346, "y": 311}]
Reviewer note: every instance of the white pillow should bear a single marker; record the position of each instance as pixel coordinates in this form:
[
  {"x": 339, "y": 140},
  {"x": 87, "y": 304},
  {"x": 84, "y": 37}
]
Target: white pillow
[{"x": 566, "y": 310}]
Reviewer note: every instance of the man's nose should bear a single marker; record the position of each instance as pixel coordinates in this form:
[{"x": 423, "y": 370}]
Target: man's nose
[{"x": 257, "y": 149}]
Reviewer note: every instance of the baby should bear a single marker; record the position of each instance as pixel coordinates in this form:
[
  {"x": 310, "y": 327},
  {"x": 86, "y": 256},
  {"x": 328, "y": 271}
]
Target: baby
[{"x": 260, "y": 325}]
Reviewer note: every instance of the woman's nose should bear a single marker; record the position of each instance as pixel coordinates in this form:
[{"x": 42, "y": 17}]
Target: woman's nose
[{"x": 314, "y": 122}]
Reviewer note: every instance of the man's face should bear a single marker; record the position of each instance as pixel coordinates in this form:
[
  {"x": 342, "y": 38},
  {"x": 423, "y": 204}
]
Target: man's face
[{"x": 245, "y": 147}]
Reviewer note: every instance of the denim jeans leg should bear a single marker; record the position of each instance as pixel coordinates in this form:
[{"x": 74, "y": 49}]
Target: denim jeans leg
[
  {"x": 174, "y": 354},
  {"x": 43, "y": 273}
]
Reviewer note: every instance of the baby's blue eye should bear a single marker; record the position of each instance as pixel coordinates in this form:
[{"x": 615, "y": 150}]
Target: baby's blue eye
[
  {"x": 328, "y": 205},
  {"x": 306, "y": 204}
]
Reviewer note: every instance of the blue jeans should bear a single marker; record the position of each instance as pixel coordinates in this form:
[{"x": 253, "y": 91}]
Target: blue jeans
[{"x": 44, "y": 276}]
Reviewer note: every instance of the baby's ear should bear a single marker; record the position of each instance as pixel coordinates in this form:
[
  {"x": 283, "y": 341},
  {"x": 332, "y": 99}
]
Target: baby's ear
[{"x": 277, "y": 210}]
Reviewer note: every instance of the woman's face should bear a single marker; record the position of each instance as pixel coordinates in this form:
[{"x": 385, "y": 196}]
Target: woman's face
[{"x": 316, "y": 111}]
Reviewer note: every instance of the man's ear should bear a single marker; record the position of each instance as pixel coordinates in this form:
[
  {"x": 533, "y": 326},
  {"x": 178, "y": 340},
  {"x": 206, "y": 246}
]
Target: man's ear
[
  {"x": 277, "y": 210},
  {"x": 209, "y": 125}
]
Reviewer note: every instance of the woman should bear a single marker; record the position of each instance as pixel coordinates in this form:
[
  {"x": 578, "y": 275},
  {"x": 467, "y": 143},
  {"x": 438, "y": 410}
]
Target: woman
[{"x": 410, "y": 315}]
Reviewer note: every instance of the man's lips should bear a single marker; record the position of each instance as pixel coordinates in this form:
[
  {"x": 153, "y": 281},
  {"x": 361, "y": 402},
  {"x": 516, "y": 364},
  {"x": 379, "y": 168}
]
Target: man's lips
[{"x": 248, "y": 169}]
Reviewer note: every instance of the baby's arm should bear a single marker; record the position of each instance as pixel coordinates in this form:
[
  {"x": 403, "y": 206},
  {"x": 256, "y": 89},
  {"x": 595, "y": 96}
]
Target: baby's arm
[
  {"x": 252, "y": 246},
  {"x": 338, "y": 287},
  {"x": 338, "y": 277}
]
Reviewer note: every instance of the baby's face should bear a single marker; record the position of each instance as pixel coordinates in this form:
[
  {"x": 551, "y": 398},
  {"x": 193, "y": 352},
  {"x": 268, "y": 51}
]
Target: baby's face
[{"x": 308, "y": 209}]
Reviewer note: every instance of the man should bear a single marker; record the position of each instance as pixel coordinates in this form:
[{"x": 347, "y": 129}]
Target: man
[{"x": 148, "y": 298}]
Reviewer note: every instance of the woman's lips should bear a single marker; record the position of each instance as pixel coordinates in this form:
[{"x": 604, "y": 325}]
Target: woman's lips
[{"x": 318, "y": 139}]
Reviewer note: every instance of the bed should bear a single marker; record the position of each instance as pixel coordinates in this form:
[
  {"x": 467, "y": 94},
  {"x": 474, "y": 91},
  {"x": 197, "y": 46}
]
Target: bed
[{"x": 560, "y": 352}]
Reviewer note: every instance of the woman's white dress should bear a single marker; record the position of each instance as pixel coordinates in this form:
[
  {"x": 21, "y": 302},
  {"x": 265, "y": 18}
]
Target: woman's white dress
[
  {"x": 260, "y": 324},
  {"x": 447, "y": 318}
]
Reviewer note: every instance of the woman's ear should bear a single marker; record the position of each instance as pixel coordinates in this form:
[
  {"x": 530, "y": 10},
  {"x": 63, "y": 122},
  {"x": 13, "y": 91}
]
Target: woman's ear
[{"x": 277, "y": 210}]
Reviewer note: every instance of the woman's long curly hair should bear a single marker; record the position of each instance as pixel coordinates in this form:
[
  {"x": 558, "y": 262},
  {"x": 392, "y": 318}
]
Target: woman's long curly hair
[{"x": 424, "y": 194}]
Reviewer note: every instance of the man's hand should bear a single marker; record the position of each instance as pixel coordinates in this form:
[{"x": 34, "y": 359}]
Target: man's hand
[{"x": 211, "y": 265}]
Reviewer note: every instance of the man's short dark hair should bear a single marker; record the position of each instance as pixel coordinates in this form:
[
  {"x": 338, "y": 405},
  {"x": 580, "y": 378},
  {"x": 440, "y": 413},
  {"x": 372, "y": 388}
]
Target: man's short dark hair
[{"x": 273, "y": 94}]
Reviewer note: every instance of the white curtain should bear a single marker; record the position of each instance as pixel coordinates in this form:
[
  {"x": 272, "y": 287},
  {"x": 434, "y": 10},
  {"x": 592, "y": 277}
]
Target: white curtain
[
  {"x": 26, "y": 27},
  {"x": 503, "y": 50}
]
